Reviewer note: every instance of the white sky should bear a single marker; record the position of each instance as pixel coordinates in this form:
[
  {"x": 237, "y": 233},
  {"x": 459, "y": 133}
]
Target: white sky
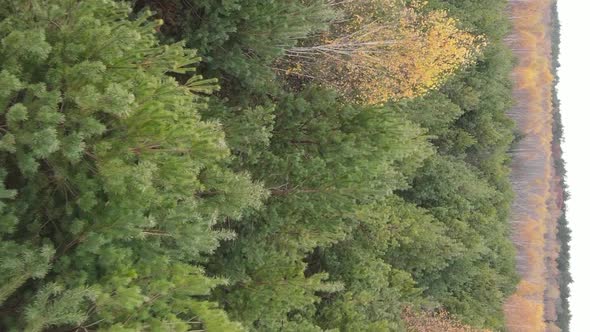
[{"x": 574, "y": 92}]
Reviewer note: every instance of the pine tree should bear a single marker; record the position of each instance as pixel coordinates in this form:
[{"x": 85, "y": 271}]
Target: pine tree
[
  {"x": 325, "y": 160},
  {"x": 104, "y": 161},
  {"x": 241, "y": 39}
]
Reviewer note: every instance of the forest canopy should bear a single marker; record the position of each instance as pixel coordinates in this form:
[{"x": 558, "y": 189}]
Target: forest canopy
[{"x": 255, "y": 165}]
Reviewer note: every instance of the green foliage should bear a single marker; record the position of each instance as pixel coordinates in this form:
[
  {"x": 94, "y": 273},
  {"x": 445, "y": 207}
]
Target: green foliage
[
  {"x": 105, "y": 158},
  {"x": 131, "y": 202},
  {"x": 565, "y": 278},
  {"x": 241, "y": 39},
  {"x": 323, "y": 159},
  {"x": 54, "y": 306},
  {"x": 19, "y": 263},
  {"x": 563, "y": 230},
  {"x": 474, "y": 282},
  {"x": 327, "y": 165},
  {"x": 467, "y": 186},
  {"x": 369, "y": 261}
]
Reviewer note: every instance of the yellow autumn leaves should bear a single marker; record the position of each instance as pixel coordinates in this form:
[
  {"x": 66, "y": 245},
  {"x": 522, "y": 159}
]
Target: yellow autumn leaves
[
  {"x": 534, "y": 305},
  {"x": 383, "y": 50}
]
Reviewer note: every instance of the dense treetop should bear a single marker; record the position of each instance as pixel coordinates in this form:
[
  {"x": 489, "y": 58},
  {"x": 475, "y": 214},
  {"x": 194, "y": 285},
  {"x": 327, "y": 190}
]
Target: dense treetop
[{"x": 175, "y": 166}]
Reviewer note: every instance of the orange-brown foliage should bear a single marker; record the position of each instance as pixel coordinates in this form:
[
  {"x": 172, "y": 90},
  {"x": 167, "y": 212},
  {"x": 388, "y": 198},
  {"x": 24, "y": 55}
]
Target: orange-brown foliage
[
  {"x": 434, "y": 321},
  {"x": 536, "y": 208},
  {"x": 524, "y": 315}
]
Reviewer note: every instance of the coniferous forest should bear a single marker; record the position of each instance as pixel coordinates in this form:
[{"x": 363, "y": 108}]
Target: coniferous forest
[{"x": 281, "y": 165}]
